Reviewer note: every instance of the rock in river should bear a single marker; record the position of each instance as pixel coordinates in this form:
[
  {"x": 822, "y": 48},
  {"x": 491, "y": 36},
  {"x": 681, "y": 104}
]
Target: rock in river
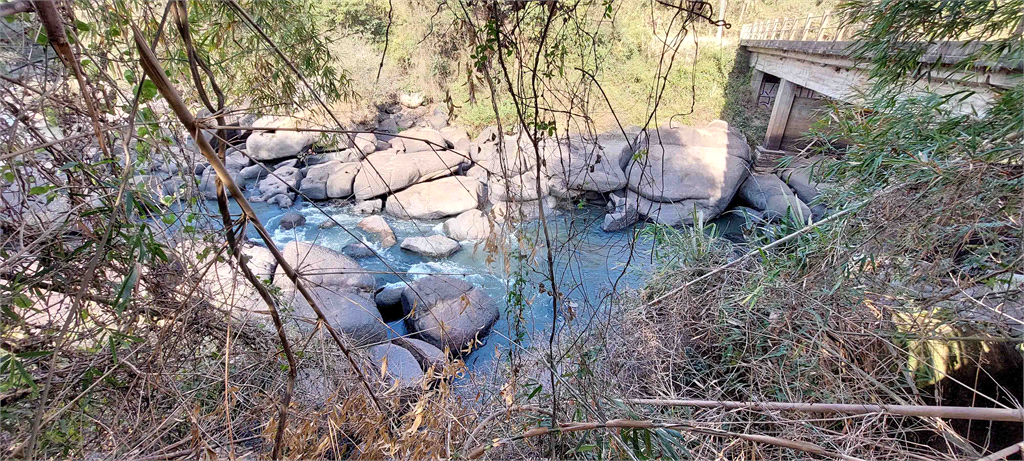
[
  {"x": 448, "y": 313},
  {"x": 687, "y": 169},
  {"x": 436, "y": 199},
  {"x": 291, "y": 220},
  {"x": 435, "y": 246}
]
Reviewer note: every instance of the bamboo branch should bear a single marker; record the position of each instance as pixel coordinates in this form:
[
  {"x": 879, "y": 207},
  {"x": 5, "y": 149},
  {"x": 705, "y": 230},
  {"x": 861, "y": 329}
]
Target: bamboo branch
[
  {"x": 924, "y": 411},
  {"x": 806, "y": 447}
]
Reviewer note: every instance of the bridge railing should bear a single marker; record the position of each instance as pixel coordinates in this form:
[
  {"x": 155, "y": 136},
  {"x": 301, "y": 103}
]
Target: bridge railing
[{"x": 822, "y": 27}]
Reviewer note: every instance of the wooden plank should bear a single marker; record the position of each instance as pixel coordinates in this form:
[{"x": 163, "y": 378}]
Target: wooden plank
[
  {"x": 780, "y": 114},
  {"x": 756, "y": 79}
]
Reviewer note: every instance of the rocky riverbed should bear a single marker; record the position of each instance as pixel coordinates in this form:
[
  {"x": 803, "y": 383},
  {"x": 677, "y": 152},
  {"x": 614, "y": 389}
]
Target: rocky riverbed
[{"x": 405, "y": 229}]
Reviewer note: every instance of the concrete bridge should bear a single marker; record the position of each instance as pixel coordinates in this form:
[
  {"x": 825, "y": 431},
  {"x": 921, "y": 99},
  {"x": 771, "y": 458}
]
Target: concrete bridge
[{"x": 799, "y": 63}]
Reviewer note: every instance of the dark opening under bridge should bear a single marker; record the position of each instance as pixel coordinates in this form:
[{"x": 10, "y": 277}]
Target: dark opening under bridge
[{"x": 798, "y": 62}]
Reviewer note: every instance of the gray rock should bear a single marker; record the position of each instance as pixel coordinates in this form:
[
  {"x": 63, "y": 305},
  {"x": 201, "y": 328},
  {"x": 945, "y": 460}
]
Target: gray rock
[
  {"x": 208, "y": 183},
  {"x": 582, "y": 165},
  {"x": 401, "y": 367},
  {"x": 488, "y": 135},
  {"x": 429, "y": 357},
  {"x": 327, "y": 224},
  {"x": 670, "y": 214},
  {"x": 389, "y": 302},
  {"x": 349, "y": 311},
  {"x": 387, "y": 126},
  {"x": 478, "y": 172},
  {"x": 279, "y": 187},
  {"x": 377, "y": 226},
  {"x": 436, "y": 199},
  {"x": 691, "y": 169},
  {"x": 517, "y": 187},
  {"x": 365, "y": 142},
  {"x": 621, "y": 147},
  {"x": 199, "y": 169},
  {"x": 235, "y": 161},
  {"x": 411, "y": 100},
  {"x": 320, "y": 266},
  {"x": 418, "y": 140},
  {"x": 438, "y": 121},
  {"x": 357, "y": 250},
  {"x": 522, "y": 211},
  {"x": 773, "y": 198},
  {"x": 253, "y": 172},
  {"x": 291, "y": 220},
  {"x": 264, "y": 145},
  {"x": 434, "y": 246},
  {"x": 448, "y": 312},
  {"x": 620, "y": 219},
  {"x": 470, "y": 225},
  {"x": 329, "y": 180},
  {"x": 454, "y": 135},
  {"x": 368, "y": 206},
  {"x": 388, "y": 172}
]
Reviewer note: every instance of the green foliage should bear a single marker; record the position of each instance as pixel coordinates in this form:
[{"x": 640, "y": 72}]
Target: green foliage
[{"x": 902, "y": 32}]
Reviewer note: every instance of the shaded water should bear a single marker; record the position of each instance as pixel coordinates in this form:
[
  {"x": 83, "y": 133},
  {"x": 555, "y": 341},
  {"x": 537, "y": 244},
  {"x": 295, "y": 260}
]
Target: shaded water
[{"x": 590, "y": 265}]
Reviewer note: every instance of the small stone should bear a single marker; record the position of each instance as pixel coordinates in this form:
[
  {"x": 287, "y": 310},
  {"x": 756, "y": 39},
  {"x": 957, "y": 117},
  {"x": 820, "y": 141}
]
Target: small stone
[{"x": 327, "y": 224}]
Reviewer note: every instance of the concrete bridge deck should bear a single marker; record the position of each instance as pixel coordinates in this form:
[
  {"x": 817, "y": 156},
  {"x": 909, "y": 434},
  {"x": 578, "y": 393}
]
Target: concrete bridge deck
[{"x": 797, "y": 63}]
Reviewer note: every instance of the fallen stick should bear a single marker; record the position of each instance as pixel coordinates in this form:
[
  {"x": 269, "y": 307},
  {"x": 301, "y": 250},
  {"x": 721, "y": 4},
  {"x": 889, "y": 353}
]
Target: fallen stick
[
  {"x": 806, "y": 447},
  {"x": 924, "y": 411}
]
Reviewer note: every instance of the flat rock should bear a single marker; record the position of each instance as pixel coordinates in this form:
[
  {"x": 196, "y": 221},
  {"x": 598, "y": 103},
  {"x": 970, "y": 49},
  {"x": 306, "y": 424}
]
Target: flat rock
[
  {"x": 389, "y": 172},
  {"x": 434, "y": 246},
  {"x": 436, "y": 199},
  {"x": 767, "y": 194},
  {"x": 357, "y": 250},
  {"x": 329, "y": 180},
  {"x": 350, "y": 311},
  {"x": 429, "y": 357},
  {"x": 418, "y": 140}
]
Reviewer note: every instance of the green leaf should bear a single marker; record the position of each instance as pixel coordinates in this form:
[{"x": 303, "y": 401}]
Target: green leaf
[
  {"x": 22, "y": 301},
  {"x": 42, "y": 39},
  {"x": 149, "y": 91},
  {"x": 39, "y": 190}
]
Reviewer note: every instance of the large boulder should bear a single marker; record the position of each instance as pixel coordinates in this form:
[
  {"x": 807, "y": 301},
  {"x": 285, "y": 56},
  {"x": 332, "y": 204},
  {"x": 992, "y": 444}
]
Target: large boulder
[
  {"x": 396, "y": 366},
  {"x": 518, "y": 156},
  {"x": 272, "y": 145},
  {"x": 350, "y": 311},
  {"x": 366, "y": 143},
  {"x": 518, "y": 188},
  {"x": 620, "y": 145},
  {"x": 470, "y": 225},
  {"x": 329, "y": 180},
  {"x": 367, "y": 206},
  {"x": 389, "y": 172},
  {"x": 418, "y": 140},
  {"x": 773, "y": 198},
  {"x": 436, "y": 199},
  {"x": 523, "y": 211},
  {"x": 800, "y": 177},
  {"x": 690, "y": 168},
  {"x": 434, "y": 246},
  {"x": 674, "y": 214},
  {"x": 582, "y": 165},
  {"x": 377, "y": 226},
  {"x": 448, "y": 313},
  {"x": 323, "y": 267}
]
